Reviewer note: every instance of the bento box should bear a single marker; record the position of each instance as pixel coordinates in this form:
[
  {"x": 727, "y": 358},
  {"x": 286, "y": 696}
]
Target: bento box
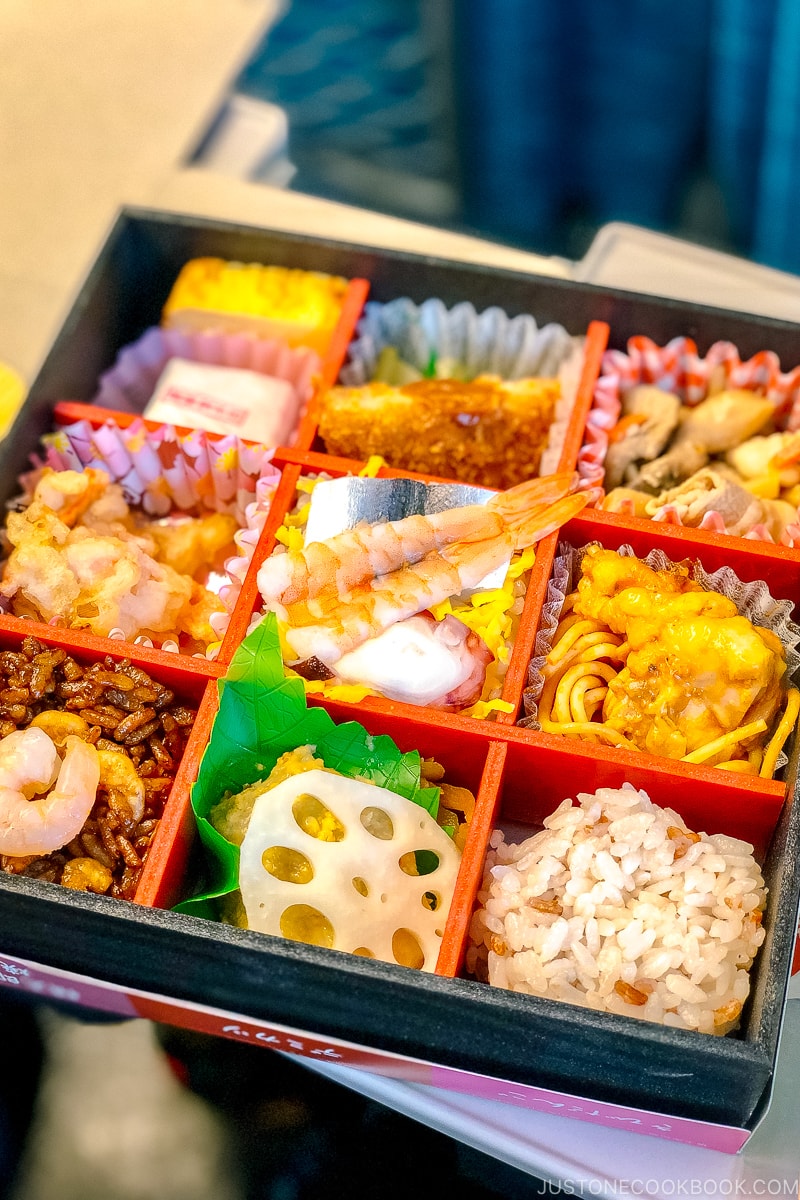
[{"x": 128, "y": 950}]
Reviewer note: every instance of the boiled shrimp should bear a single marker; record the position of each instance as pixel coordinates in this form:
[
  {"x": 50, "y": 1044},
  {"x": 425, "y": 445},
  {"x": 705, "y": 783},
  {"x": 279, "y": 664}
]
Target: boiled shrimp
[
  {"x": 330, "y": 624},
  {"x": 525, "y": 512},
  {"x": 118, "y": 775},
  {"x": 32, "y": 823},
  {"x": 123, "y": 785}
]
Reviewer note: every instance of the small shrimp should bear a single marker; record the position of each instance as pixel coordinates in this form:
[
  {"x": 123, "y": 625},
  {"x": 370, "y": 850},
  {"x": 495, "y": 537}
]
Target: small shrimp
[
  {"x": 28, "y": 764},
  {"x": 121, "y": 781},
  {"x": 367, "y": 551},
  {"x": 328, "y": 625},
  {"x": 59, "y": 724}
]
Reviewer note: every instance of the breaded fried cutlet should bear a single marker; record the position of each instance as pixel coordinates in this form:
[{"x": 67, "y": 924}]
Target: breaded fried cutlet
[{"x": 489, "y": 432}]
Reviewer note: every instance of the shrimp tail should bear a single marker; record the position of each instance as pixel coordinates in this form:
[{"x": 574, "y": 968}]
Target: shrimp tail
[
  {"x": 549, "y": 519},
  {"x": 532, "y": 510}
]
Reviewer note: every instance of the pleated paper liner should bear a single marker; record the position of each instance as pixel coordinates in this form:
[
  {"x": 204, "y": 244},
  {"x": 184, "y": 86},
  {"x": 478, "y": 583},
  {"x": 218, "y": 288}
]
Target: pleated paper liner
[
  {"x": 750, "y": 562},
  {"x": 129, "y": 385},
  {"x": 430, "y": 339},
  {"x": 124, "y": 389},
  {"x": 163, "y": 472}
]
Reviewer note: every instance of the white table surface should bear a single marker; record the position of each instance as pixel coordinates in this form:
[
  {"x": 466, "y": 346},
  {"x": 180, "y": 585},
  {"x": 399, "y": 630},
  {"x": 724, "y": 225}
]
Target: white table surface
[{"x": 102, "y": 104}]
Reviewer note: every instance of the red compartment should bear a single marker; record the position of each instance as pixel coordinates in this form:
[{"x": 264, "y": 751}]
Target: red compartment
[
  {"x": 190, "y": 680},
  {"x": 778, "y": 566},
  {"x": 294, "y": 465},
  {"x": 533, "y": 774},
  {"x": 679, "y": 369},
  {"x": 470, "y": 760},
  {"x": 355, "y": 298},
  {"x": 595, "y": 342},
  {"x": 543, "y": 769},
  {"x": 750, "y": 561},
  {"x": 243, "y": 479}
]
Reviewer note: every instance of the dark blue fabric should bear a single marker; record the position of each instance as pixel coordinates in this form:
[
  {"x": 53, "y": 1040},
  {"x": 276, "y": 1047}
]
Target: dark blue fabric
[
  {"x": 598, "y": 106},
  {"x": 776, "y": 236},
  {"x": 740, "y": 66},
  {"x": 605, "y": 110},
  {"x": 351, "y": 77}
]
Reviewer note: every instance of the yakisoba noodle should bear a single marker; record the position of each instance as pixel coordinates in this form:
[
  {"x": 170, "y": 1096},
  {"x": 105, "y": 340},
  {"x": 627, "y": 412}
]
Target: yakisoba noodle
[{"x": 648, "y": 660}]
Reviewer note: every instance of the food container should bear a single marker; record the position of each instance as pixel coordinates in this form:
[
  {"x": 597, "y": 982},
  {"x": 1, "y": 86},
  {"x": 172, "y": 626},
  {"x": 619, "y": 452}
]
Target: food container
[{"x": 442, "y": 1028}]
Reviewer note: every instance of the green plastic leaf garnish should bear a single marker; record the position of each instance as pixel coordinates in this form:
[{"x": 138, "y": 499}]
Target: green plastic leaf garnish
[{"x": 262, "y": 715}]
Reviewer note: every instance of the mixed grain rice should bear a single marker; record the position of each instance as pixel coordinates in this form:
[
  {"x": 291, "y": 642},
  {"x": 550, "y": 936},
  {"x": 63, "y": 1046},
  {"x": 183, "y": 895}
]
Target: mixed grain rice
[
  {"x": 614, "y": 905},
  {"x": 127, "y": 712}
]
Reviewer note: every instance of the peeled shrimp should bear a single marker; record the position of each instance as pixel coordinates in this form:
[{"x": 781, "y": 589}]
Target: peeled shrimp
[
  {"x": 367, "y": 551},
  {"x": 119, "y": 777},
  {"x": 29, "y": 763},
  {"x": 330, "y": 622}
]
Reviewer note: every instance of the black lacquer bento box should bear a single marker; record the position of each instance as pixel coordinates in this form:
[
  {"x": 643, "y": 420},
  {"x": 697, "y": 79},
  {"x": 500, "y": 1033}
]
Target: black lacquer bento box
[{"x": 606, "y": 1064}]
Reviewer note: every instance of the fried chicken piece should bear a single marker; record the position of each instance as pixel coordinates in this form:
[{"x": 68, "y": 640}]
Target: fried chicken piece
[
  {"x": 649, "y": 417},
  {"x": 695, "y": 670}
]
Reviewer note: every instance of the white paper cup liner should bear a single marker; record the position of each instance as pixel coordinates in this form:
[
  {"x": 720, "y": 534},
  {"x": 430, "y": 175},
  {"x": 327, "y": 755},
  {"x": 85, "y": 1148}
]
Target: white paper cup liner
[{"x": 490, "y": 342}]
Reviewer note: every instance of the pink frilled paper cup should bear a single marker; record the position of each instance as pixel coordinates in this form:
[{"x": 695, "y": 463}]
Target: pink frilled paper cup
[
  {"x": 130, "y": 383},
  {"x": 678, "y": 368},
  {"x": 162, "y": 471}
]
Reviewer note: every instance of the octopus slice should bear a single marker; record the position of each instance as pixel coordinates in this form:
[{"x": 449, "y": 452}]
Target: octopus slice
[{"x": 422, "y": 661}]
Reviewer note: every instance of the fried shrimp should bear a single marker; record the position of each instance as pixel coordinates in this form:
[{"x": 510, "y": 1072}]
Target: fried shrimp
[
  {"x": 36, "y": 823},
  {"x": 378, "y": 575}
]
